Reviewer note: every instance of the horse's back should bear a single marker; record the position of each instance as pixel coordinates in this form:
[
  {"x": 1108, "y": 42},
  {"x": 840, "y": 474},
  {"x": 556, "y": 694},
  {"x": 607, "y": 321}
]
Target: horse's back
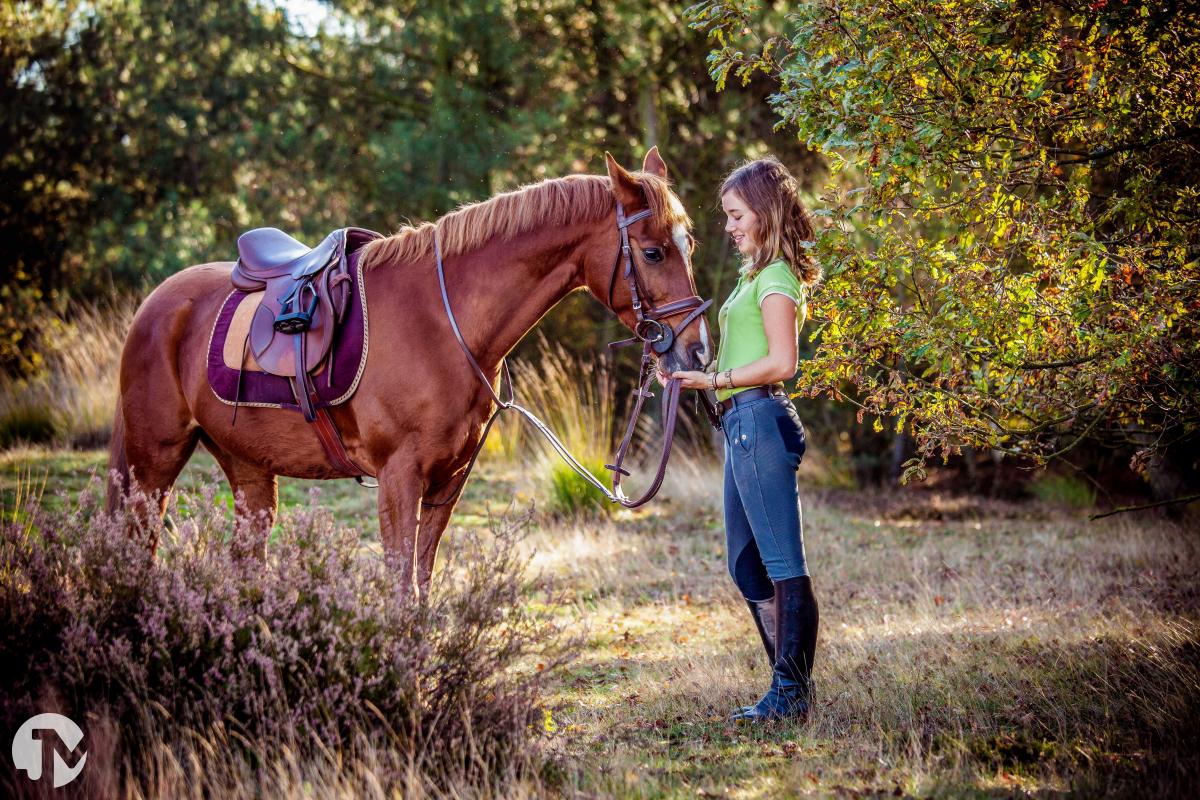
[
  {"x": 171, "y": 322},
  {"x": 191, "y": 285}
]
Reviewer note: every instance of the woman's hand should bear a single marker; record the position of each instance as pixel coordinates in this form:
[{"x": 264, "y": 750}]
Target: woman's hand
[{"x": 691, "y": 379}]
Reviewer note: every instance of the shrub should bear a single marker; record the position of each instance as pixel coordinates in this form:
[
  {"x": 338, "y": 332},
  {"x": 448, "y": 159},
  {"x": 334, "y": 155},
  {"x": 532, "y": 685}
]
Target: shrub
[
  {"x": 574, "y": 398},
  {"x": 570, "y": 493},
  {"x": 313, "y": 652},
  {"x": 1063, "y": 490}
]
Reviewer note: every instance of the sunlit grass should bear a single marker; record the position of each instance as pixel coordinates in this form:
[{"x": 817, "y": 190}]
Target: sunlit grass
[
  {"x": 988, "y": 649},
  {"x": 72, "y": 401},
  {"x": 574, "y": 397},
  {"x": 966, "y": 658}
]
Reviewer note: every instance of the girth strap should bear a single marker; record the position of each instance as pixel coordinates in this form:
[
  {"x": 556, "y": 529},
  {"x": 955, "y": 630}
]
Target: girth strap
[
  {"x": 334, "y": 447},
  {"x": 314, "y": 413}
]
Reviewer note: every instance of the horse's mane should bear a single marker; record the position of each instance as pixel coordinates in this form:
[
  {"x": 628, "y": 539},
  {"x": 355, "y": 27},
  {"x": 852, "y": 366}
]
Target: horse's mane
[{"x": 553, "y": 202}]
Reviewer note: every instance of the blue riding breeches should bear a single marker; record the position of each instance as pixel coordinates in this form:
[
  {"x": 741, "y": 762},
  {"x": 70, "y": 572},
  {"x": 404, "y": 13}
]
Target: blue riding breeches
[{"x": 764, "y": 442}]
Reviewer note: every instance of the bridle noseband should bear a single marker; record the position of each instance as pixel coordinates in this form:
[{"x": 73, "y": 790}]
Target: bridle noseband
[{"x": 649, "y": 329}]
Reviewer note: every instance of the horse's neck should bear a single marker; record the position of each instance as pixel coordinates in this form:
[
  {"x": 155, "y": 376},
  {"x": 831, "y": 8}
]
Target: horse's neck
[{"x": 499, "y": 291}]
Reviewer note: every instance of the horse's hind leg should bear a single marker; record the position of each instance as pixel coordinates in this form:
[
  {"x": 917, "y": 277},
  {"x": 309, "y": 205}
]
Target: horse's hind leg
[
  {"x": 150, "y": 447},
  {"x": 256, "y": 501}
]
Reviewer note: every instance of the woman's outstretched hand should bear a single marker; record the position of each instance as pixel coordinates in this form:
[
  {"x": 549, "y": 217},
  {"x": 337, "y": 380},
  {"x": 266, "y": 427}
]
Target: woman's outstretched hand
[{"x": 690, "y": 379}]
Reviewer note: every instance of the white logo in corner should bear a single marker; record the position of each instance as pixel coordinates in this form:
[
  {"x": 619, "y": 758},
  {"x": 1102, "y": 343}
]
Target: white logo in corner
[{"x": 62, "y": 735}]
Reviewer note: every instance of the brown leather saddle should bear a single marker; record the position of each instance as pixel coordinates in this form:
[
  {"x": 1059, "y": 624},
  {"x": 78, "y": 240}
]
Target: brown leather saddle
[{"x": 305, "y": 296}]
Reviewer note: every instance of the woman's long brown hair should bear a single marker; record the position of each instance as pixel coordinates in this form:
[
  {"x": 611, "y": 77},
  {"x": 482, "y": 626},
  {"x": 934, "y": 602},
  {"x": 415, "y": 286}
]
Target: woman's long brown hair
[{"x": 784, "y": 227}]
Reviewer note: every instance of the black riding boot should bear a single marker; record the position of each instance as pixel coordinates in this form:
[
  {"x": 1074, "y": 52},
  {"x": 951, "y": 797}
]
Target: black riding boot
[
  {"x": 796, "y": 621},
  {"x": 764, "y": 619},
  {"x": 763, "y": 613}
]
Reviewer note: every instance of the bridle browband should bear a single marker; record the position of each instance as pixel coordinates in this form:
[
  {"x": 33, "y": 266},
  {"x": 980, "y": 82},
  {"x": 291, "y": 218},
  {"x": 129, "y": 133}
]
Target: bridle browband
[{"x": 649, "y": 329}]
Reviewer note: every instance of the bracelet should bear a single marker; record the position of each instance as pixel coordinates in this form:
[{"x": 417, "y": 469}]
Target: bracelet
[
  {"x": 729, "y": 378},
  {"x": 712, "y": 381}
]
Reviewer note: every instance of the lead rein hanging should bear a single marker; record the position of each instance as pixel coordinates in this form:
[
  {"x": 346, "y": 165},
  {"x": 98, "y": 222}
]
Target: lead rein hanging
[{"x": 646, "y": 320}]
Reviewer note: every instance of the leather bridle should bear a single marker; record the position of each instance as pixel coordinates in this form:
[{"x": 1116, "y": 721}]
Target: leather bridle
[
  {"x": 656, "y": 338},
  {"x": 649, "y": 329}
]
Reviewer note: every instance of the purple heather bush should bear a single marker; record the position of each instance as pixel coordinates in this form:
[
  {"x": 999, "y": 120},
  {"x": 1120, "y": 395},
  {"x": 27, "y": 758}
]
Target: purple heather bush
[{"x": 313, "y": 647}]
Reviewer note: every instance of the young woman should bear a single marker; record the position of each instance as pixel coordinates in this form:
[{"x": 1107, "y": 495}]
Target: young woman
[{"x": 764, "y": 440}]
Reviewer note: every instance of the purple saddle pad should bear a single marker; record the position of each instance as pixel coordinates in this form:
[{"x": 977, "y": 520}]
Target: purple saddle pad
[{"x": 335, "y": 382}]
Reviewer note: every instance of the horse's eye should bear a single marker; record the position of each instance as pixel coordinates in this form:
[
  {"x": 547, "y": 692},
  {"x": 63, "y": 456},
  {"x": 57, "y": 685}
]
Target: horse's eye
[{"x": 653, "y": 254}]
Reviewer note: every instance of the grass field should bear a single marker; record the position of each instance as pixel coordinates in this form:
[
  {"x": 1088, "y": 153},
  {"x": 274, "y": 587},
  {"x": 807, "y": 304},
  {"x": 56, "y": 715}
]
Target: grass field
[{"x": 967, "y": 648}]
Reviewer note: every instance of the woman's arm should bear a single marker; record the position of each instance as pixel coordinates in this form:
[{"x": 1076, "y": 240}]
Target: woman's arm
[{"x": 779, "y": 364}]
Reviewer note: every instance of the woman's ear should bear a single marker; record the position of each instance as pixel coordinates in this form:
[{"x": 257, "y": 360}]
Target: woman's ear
[{"x": 624, "y": 185}]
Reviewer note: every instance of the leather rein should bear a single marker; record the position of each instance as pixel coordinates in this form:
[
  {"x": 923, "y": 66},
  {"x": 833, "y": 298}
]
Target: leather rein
[{"x": 656, "y": 338}]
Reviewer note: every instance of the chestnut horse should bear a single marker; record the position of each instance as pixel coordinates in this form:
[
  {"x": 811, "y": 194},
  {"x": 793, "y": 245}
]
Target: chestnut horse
[{"x": 419, "y": 409}]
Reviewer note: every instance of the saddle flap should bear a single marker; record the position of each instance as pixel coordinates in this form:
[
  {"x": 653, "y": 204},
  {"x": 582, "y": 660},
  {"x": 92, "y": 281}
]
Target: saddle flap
[
  {"x": 262, "y": 333},
  {"x": 275, "y": 352}
]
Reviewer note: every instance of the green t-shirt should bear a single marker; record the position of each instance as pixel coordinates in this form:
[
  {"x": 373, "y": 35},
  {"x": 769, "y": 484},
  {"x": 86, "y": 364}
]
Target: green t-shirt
[{"x": 743, "y": 339}]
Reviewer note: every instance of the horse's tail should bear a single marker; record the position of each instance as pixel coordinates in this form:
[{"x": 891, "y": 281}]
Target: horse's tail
[{"x": 117, "y": 477}]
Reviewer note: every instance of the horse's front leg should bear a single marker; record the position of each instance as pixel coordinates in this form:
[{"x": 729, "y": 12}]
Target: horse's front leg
[
  {"x": 434, "y": 520},
  {"x": 400, "y": 491}
]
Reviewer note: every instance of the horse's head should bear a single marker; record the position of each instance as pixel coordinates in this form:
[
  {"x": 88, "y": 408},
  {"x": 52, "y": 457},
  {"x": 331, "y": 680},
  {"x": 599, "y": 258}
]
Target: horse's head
[{"x": 657, "y": 293}]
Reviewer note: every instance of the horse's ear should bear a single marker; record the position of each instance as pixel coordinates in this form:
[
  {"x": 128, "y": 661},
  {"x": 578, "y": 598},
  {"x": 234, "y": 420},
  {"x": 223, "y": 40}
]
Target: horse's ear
[
  {"x": 654, "y": 164},
  {"x": 624, "y": 185}
]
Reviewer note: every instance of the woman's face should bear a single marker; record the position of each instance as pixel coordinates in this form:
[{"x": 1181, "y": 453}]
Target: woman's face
[{"x": 740, "y": 223}]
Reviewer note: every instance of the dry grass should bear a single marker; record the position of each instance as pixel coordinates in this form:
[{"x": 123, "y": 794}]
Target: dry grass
[
  {"x": 969, "y": 657},
  {"x": 218, "y": 763},
  {"x": 72, "y": 401},
  {"x": 579, "y": 412},
  {"x": 967, "y": 649}
]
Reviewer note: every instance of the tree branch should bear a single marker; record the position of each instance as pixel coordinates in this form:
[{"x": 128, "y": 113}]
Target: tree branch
[
  {"x": 1071, "y": 362},
  {"x": 1187, "y": 498}
]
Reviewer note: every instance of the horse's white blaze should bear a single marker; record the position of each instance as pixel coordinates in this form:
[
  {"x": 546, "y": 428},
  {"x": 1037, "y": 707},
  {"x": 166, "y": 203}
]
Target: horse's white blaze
[
  {"x": 679, "y": 234},
  {"x": 677, "y": 206}
]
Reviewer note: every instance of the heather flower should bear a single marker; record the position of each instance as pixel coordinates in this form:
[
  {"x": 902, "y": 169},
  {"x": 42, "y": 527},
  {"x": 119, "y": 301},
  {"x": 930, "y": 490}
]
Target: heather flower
[{"x": 312, "y": 647}]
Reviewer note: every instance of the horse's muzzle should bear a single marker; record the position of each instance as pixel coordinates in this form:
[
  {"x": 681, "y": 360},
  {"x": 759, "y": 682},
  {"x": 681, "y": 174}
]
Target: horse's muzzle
[{"x": 698, "y": 355}]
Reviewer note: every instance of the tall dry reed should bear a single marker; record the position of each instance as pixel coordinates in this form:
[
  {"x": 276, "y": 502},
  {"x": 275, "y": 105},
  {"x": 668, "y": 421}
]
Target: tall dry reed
[
  {"x": 71, "y": 400},
  {"x": 575, "y": 398}
]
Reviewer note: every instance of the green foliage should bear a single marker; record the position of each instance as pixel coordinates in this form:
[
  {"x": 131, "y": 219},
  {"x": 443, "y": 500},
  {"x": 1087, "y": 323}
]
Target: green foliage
[
  {"x": 1064, "y": 490},
  {"x": 141, "y": 137},
  {"x": 570, "y": 494},
  {"x": 1011, "y": 236},
  {"x": 117, "y": 112}
]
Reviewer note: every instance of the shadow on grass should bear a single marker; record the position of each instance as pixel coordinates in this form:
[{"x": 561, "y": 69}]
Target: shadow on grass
[{"x": 997, "y": 716}]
